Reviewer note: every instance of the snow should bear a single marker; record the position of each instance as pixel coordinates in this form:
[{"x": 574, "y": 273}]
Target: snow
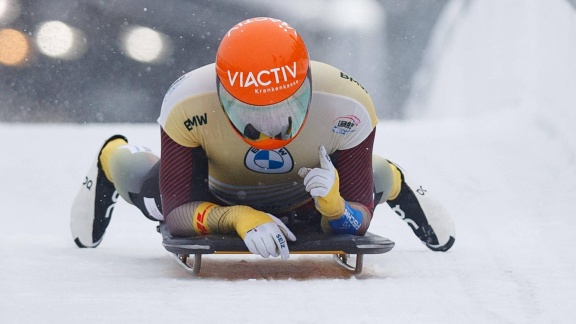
[{"x": 501, "y": 158}]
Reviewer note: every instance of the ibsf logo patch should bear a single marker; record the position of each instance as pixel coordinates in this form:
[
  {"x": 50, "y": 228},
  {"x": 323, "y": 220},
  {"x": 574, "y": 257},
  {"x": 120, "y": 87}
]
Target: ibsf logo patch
[
  {"x": 345, "y": 124},
  {"x": 269, "y": 161}
]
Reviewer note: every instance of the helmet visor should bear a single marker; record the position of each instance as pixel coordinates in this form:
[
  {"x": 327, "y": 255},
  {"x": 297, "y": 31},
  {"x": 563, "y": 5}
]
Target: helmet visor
[{"x": 271, "y": 126}]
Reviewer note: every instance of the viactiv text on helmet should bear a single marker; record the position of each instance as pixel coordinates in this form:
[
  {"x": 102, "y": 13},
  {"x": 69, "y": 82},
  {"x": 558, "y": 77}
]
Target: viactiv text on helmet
[
  {"x": 277, "y": 75},
  {"x": 262, "y": 61}
]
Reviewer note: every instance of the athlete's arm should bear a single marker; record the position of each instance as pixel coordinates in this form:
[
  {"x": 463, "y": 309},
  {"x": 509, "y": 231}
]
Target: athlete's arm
[
  {"x": 343, "y": 188},
  {"x": 183, "y": 174},
  {"x": 356, "y": 179},
  {"x": 185, "y": 193},
  {"x": 190, "y": 209}
]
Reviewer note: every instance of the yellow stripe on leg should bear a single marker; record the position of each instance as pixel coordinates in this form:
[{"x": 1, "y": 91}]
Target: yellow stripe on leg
[
  {"x": 107, "y": 152},
  {"x": 397, "y": 185}
]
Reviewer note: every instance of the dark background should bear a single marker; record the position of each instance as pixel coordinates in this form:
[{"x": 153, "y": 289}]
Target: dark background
[{"x": 380, "y": 43}]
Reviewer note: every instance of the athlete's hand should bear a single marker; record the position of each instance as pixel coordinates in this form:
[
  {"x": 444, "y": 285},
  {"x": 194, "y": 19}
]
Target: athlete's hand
[
  {"x": 323, "y": 185},
  {"x": 269, "y": 239}
]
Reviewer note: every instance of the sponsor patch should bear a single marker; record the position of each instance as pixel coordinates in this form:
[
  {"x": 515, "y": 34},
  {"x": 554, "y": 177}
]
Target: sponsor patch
[
  {"x": 195, "y": 121},
  {"x": 269, "y": 161},
  {"x": 345, "y": 124},
  {"x": 351, "y": 79},
  {"x": 349, "y": 223}
]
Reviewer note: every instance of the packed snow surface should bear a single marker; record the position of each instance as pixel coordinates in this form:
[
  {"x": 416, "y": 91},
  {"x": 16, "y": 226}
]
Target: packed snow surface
[{"x": 491, "y": 135}]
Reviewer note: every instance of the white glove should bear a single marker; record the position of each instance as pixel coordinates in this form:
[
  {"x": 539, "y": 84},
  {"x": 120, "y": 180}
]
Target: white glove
[
  {"x": 323, "y": 185},
  {"x": 319, "y": 181},
  {"x": 269, "y": 239}
]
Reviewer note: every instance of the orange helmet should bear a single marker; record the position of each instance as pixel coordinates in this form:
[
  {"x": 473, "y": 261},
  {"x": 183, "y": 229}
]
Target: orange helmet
[{"x": 263, "y": 81}]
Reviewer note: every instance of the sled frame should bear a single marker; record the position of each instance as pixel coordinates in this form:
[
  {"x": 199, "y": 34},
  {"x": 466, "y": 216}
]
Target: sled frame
[{"x": 188, "y": 251}]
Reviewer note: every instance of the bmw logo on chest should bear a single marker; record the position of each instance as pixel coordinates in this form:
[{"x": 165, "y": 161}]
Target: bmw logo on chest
[{"x": 269, "y": 161}]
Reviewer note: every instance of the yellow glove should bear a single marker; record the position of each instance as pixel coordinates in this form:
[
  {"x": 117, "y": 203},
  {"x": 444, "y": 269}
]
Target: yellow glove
[{"x": 323, "y": 185}]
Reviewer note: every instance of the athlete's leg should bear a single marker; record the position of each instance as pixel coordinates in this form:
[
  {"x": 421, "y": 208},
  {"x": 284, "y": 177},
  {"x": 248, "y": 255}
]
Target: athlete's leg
[
  {"x": 383, "y": 179},
  {"x": 119, "y": 169},
  {"x": 134, "y": 171},
  {"x": 429, "y": 220},
  {"x": 92, "y": 208}
]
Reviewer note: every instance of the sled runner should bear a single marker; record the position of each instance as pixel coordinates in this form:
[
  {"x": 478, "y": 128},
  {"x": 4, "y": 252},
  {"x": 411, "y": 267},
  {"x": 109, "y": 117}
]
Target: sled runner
[{"x": 342, "y": 247}]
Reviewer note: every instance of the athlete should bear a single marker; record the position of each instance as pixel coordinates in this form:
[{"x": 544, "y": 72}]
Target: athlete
[{"x": 262, "y": 138}]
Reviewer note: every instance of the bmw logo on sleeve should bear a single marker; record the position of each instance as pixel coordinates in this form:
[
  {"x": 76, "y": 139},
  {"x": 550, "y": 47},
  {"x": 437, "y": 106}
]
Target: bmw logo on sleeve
[{"x": 269, "y": 161}]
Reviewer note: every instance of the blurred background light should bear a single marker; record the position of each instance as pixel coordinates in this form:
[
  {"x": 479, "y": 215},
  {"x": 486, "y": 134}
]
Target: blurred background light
[
  {"x": 145, "y": 45},
  {"x": 9, "y": 11},
  {"x": 78, "y": 61},
  {"x": 59, "y": 40},
  {"x": 14, "y": 47}
]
